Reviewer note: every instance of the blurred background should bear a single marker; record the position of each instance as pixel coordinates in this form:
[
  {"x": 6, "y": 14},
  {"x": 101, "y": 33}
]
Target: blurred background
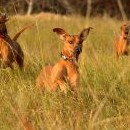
[{"x": 90, "y": 8}]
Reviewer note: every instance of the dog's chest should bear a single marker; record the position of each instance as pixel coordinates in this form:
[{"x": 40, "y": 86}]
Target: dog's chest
[{"x": 71, "y": 68}]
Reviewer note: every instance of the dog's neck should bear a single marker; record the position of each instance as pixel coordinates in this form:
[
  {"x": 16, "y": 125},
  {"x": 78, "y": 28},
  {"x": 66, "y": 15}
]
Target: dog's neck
[
  {"x": 66, "y": 58},
  {"x": 70, "y": 59}
]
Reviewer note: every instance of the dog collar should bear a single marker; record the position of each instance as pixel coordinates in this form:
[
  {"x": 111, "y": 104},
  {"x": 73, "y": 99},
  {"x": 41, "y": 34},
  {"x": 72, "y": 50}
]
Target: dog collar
[{"x": 65, "y": 57}]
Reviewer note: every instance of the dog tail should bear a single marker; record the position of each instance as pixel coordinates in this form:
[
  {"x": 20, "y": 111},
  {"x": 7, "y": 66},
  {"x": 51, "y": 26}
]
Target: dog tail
[{"x": 22, "y": 30}]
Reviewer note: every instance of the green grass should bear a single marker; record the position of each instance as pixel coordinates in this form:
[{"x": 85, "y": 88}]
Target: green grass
[{"x": 103, "y": 101}]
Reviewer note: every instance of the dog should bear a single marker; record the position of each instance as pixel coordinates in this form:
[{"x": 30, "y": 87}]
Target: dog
[
  {"x": 66, "y": 69},
  {"x": 10, "y": 50},
  {"x": 123, "y": 41}
]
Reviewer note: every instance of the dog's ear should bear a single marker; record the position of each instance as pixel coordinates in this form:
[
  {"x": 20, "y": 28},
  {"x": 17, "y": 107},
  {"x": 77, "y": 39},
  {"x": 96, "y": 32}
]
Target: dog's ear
[
  {"x": 84, "y": 33},
  {"x": 60, "y": 32}
]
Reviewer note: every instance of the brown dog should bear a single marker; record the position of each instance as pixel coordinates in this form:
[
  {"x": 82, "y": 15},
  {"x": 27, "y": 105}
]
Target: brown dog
[
  {"x": 66, "y": 68},
  {"x": 123, "y": 41},
  {"x": 10, "y": 50}
]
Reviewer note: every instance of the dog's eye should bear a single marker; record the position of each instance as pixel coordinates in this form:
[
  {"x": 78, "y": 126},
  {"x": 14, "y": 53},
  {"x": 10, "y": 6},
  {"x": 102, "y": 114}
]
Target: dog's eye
[{"x": 71, "y": 42}]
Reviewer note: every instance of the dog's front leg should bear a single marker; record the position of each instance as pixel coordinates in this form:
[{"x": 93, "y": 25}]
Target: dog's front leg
[
  {"x": 59, "y": 82},
  {"x": 73, "y": 77},
  {"x": 57, "y": 77}
]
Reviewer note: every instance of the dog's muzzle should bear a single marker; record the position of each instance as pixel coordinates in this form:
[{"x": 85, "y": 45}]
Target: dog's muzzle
[{"x": 77, "y": 52}]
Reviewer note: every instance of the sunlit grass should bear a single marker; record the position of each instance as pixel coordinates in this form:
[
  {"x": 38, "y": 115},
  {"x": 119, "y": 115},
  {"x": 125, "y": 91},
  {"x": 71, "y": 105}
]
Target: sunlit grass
[{"x": 103, "y": 101}]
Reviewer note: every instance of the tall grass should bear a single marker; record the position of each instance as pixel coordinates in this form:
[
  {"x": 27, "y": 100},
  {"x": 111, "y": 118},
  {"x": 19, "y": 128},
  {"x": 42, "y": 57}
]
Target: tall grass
[{"x": 103, "y": 101}]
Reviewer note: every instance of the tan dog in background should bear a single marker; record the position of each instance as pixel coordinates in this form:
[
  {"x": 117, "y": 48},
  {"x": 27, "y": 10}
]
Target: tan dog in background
[
  {"x": 10, "y": 50},
  {"x": 123, "y": 41},
  {"x": 66, "y": 68}
]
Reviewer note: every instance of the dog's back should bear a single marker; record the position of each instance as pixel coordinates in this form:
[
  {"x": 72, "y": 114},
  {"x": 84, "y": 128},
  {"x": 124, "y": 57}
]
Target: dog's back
[{"x": 18, "y": 54}]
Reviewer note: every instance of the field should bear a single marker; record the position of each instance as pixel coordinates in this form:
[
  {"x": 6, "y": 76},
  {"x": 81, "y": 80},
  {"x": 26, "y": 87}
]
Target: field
[{"x": 103, "y": 101}]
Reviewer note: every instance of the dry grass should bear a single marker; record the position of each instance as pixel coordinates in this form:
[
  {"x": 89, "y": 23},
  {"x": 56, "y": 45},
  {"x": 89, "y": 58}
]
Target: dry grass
[{"x": 104, "y": 93}]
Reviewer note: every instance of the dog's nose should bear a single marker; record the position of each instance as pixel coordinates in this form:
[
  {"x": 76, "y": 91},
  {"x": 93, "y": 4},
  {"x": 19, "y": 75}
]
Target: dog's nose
[{"x": 78, "y": 49}]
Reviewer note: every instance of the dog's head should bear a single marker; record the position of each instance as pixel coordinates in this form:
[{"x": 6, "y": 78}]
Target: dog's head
[
  {"x": 125, "y": 28},
  {"x": 72, "y": 43},
  {"x": 3, "y": 18}
]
